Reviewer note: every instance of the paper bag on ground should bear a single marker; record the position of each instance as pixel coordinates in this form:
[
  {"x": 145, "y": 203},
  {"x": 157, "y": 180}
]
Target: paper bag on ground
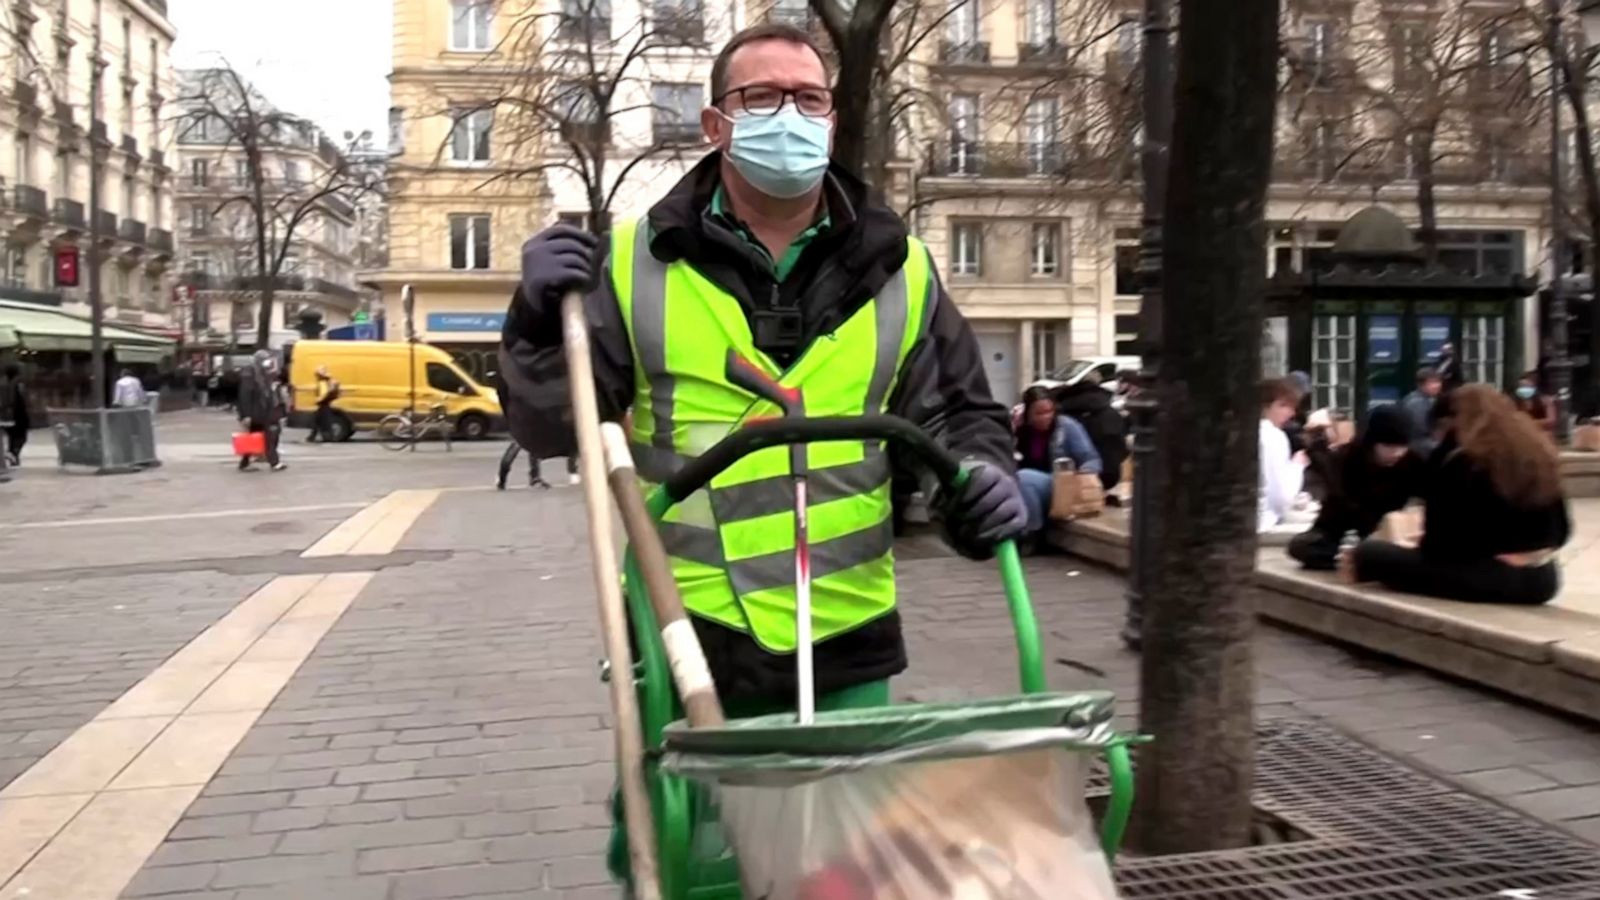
[{"x": 1075, "y": 495}]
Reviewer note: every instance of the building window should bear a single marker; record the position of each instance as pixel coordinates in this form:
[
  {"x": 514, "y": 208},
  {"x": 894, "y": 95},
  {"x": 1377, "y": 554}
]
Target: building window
[
  {"x": 678, "y": 21},
  {"x": 585, "y": 20},
  {"x": 1048, "y": 346},
  {"x": 1126, "y": 327},
  {"x": 200, "y": 261},
  {"x": 1127, "y": 262},
  {"x": 470, "y": 22},
  {"x": 469, "y": 136},
  {"x": 397, "y": 130},
  {"x": 1039, "y": 23},
  {"x": 966, "y": 248},
  {"x": 791, "y": 12},
  {"x": 1319, "y": 49},
  {"x": 964, "y": 134},
  {"x": 675, "y": 112},
  {"x": 199, "y": 220},
  {"x": 130, "y": 196},
  {"x": 961, "y": 28},
  {"x": 24, "y": 158},
  {"x": 1043, "y": 124},
  {"x": 469, "y": 242},
  {"x": 291, "y": 172},
  {"x": 1483, "y": 349},
  {"x": 1044, "y": 258},
  {"x": 241, "y": 172},
  {"x": 199, "y": 172},
  {"x": 63, "y": 173},
  {"x": 1333, "y": 362},
  {"x": 1480, "y": 252},
  {"x": 1128, "y": 37}
]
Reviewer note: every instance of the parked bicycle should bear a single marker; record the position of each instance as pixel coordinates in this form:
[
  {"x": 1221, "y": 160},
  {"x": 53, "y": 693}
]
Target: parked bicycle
[{"x": 401, "y": 430}]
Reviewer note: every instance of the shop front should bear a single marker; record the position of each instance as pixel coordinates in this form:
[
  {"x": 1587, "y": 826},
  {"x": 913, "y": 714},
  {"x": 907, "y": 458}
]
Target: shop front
[{"x": 54, "y": 350}]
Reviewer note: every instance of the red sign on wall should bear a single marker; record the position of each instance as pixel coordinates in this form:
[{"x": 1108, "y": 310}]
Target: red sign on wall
[{"x": 67, "y": 267}]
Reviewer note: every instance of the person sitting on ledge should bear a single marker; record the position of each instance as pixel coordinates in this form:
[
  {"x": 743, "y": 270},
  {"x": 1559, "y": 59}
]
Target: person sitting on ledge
[
  {"x": 1043, "y": 436},
  {"x": 1366, "y": 479},
  {"x": 1495, "y": 516}
]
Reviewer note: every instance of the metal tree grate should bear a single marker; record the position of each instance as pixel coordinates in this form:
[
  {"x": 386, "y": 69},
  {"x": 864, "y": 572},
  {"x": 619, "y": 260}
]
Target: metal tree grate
[
  {"x": 1331, "y": 870},
  {"x": 1380, "y": 830}
]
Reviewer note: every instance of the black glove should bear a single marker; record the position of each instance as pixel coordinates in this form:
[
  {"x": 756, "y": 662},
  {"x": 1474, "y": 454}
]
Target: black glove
[
  {"x": 987, "y": 510},
  {"x": 555, "y": 261}
]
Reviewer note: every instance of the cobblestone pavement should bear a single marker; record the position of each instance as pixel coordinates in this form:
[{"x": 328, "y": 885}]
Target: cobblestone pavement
[
  {"x": 447, "y": 739},
  {"x": 448, "y": 736}
]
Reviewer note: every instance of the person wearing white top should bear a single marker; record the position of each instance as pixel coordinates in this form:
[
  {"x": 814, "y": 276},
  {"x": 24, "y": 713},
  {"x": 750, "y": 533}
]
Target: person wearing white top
[
  {"x": 1282, "y": 474},
  {"x": 129, "y": 392}
]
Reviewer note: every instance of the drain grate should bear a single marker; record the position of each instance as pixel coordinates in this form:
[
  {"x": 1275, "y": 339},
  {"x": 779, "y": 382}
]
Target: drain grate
[
  {"x": 1379, "y": 830},
  {"x": 1453, "y": 825},
  {"x": 1331, "y": 870},
  {"x": 1302, "y": 763}
]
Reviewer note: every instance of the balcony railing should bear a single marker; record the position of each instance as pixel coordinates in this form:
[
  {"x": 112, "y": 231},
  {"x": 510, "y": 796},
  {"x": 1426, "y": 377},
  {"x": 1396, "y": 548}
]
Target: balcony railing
[
  {"x": 13, "y": 289},
  {"x": 26, "y": 94},
  {"x": 1334, "y": 167},
  {"x": 679, "y": 24},
  {"x": 339, "y": 206},
  {"x": 106, "y": 223},
  {"x": 586, "y": 132},
  {"x": 132, "y": 231},
  {"x": 158, "y": 158},
  {"x": 580, "y": 28},
  {"x": 1042, "y": 54},
  {"x": 31, "y": 201},
  {"x": 1322, "y": 72},
  {"x": 130, "y": 145},
  {"x": 99, "y": 133},
  {"x": 677, "y": 132},
  {"x": 70, "y": 214},
  {"x": 799, "y": 17},
  {"x": 999, "y": 160},
  {"x": 161, "y": 240},
  {"x": 967, "y": 53}
]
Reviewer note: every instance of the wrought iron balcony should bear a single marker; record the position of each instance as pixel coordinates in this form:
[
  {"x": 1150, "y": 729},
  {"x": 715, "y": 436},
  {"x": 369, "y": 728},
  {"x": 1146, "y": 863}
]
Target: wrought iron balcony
[
  {"x": 965, "y": 53},
  {"x": 130, "y": 145},
  {"x": 161, "y": 240},
  {"x": 999, "y": 160},
  {"x": 31, "y": 202},
  {"x": 132, "y": 231},
  {"x": 26, "y": 94},
  {"x": 583, "y": 28},
  {"x": 158, "y": 158},
  {"x": 106, "y": 223},
  {"x": 677, "y": 132},
  {"x": 70, "y": 214},
  {"x": 99, "y": 133},
  {"x": 1050, "y": 52}
]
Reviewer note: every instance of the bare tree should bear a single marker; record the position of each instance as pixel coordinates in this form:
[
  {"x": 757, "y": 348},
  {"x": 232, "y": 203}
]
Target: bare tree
[
  {"x": 1436, "y": 94},
  {"x": 222, "y": 109},
  {"x": 573, "y": 104},
  {"x": 860, "y": 37}
]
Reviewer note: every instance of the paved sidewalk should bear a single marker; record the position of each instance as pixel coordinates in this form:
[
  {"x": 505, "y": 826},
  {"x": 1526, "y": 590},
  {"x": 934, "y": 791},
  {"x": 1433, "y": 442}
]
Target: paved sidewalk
[
  {"x": 446, "y": 739},
  {"x": 447, "y": 735}
]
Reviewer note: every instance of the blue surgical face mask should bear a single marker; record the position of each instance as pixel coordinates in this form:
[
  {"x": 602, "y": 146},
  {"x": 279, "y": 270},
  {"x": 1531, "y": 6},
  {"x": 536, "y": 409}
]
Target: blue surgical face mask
[
  {"x": 782, "y": 155},
  {"x": 1525, "y": 391}
]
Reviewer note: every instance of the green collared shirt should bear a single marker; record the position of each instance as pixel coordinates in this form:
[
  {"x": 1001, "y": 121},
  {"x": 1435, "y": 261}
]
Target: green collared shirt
[{"x": 780, "y": 267}]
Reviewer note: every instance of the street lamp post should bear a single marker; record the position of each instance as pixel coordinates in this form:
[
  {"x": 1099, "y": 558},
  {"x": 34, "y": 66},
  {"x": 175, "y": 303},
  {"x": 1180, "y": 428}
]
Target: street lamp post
[
  {"x": 1156, "y": 65},
  {"x": 97, "y": 345},
  {"x": 1560, "y": 363}
]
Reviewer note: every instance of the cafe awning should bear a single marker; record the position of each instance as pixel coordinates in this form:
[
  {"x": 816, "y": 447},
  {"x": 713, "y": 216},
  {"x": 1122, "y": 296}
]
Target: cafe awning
[{"x": 39, "y": 328}]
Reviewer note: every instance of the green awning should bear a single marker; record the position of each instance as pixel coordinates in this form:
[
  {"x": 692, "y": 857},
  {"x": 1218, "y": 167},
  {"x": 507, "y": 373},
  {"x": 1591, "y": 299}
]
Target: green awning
[
  {"x": 8, "y": 337},
  {"x": 40, "y": 328}
]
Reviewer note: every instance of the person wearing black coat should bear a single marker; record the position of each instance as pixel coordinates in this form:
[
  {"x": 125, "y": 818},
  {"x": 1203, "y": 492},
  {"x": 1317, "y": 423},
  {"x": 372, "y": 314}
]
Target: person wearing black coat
[
  {"x": 14, "y": 409},
  {"x": 1090, "y": 404},
  {"x": 1369, "y": 478}
]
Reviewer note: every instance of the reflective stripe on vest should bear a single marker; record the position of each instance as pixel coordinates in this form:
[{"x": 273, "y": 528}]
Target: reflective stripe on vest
[{"x": 732, "y": 545}]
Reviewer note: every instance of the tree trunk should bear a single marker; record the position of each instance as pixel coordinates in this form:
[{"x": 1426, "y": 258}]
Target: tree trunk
[
  {"x": 264, "y": 269},
  {"x": 1197, "y": 677},
  {"x": 858, "y": 63},
  {"x": 1427, "y": 202},
  {"x": 1587, "y": 395}
]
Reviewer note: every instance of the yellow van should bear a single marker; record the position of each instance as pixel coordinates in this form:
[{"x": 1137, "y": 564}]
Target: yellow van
[{"x": 374, "y": 381}]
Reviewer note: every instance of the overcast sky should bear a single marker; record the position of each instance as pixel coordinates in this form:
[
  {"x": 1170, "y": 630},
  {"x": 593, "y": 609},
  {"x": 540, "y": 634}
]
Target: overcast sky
[{"x": 327, "y": 60}]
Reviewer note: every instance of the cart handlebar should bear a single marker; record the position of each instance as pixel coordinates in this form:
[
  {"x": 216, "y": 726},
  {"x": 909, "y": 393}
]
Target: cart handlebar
[{"x": 761, "y": 434}]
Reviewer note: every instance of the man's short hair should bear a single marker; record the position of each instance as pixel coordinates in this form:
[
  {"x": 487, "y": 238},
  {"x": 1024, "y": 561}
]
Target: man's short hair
[
  {"x": 768, "y": 31},
  {"x": 1427, "y": 374},
  {"x": 1273, "y": 390}
]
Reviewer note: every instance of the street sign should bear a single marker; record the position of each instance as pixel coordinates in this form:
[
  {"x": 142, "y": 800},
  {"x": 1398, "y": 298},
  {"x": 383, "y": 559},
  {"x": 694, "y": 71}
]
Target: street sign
[{"x": 361, "y": 317}]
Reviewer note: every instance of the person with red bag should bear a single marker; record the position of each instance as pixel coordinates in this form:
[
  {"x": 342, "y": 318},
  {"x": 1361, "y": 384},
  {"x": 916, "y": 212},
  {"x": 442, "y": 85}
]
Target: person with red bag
[{"x": 261, "y": 408}]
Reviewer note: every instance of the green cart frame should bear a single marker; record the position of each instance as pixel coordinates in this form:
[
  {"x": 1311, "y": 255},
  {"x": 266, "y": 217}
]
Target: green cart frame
[{"x": 692, "y": 867}]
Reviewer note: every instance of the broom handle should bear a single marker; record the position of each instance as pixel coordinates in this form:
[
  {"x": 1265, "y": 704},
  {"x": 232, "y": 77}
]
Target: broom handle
[
  {"x": 613, "y": 618},
  {"x": 690, "y": 673}
]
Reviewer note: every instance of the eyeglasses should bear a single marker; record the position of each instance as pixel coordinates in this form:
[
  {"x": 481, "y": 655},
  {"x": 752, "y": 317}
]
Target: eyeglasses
[{"x": 766, "y": 100}]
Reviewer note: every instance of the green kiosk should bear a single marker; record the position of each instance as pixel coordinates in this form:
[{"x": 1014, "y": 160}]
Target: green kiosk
[{"x": 1373, "y": 313}]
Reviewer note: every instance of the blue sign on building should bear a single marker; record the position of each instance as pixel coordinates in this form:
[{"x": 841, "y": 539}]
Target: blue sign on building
[
  {"x": 1433, "y": 333},
  {"x": 466, "y": 321},
  {"x": 1383, "y": 339}
]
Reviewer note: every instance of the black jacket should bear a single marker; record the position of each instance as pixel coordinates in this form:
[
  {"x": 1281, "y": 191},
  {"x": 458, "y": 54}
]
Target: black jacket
[
  {"x": 1360, "y": 492},
  {"x": 1090, "y": 404},
  {"x": 836, "y": 274}
]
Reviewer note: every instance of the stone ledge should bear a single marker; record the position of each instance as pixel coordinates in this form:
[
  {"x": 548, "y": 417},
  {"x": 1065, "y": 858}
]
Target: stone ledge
[
  {"x": 1547, "y": 654},
  {"x": 1580, "y": 474}
]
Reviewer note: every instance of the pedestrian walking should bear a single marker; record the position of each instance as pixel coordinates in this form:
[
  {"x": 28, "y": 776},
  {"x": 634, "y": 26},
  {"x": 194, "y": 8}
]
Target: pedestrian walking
[
  {"x": 129, "y": 392},
  {"x": 261, "y": 407},
  {"x": 1419, "y": 409},
  {"x": 509, "y": 459},
  {"x": 322, "y": 419},
  {"x": 14, "y": 412}
]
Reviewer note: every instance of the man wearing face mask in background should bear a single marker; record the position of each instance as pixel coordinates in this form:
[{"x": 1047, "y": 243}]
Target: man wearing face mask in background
[{"x": 767, "y": 248}]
